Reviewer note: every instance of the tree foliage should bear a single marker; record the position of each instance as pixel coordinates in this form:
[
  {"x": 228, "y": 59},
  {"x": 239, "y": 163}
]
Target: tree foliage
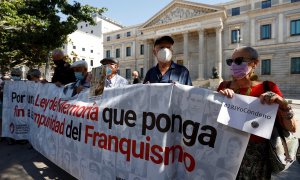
[{"x": 30, "y": 29}]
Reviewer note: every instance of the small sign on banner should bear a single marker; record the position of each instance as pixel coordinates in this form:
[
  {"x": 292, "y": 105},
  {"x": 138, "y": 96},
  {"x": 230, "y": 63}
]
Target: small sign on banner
[
  {"x": 248, "y": 114},
  {"x": 97, "y": 81}
]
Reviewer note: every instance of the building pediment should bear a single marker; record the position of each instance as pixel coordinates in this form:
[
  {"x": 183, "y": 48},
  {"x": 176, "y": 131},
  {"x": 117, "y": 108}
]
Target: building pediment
[{"x": 178, "y": 11}]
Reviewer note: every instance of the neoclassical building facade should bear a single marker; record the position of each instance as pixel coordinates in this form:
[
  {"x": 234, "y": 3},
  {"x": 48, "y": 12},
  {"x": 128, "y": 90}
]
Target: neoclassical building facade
[{"x": 206, "y": 35}]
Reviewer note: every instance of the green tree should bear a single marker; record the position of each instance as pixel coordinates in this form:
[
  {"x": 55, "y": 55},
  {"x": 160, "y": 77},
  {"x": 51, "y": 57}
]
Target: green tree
[{"x": 30, "y": 29}]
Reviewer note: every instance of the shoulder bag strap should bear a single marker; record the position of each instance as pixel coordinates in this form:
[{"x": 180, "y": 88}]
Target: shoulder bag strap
[
  {"x": 279, "y": 128},
  {"x": 286, "y": 149}
]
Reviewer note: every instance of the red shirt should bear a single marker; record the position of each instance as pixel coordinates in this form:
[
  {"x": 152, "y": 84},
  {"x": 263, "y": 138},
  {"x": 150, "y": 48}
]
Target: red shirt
[{"x": 256, "y": 91}]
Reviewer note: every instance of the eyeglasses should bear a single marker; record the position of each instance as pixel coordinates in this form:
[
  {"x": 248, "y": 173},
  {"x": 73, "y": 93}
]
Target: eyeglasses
[{"x": 237, "y": 61}]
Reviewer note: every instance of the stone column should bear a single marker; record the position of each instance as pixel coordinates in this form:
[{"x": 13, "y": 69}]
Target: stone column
[
  {"x": 218, "y": 62},
  {"x": 252, "y": 5},
  {"x": 252, "y": 32},
  {"x": 133, "y": 49},
  {"x": 201, "y": 54},
  {"x": 186, "y": 49},
  {"x": 113, "y": 51},
  {"x": 123, "y": 52},
  {"x": 151, "y": 58},
  {"x": 148, "y": 58},
  {"x": 280, "y": 28}
]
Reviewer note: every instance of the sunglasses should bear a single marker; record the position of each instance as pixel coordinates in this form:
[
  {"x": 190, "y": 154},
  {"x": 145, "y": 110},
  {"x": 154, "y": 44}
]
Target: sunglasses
[{"x": 237, "y": 61}]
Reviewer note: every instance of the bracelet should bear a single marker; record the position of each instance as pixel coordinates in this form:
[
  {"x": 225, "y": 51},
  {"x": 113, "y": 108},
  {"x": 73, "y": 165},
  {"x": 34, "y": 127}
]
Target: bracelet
[
  {"x": 288, "y": 115},
  {"x": 288, "y": 107}
]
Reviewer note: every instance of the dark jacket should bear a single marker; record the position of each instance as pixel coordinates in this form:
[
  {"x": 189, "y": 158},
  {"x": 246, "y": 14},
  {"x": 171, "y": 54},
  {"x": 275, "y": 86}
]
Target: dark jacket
[
  {"x": 63, "y": 74},
  {"x": 136, "y": 81},
  {"x": 175, "y": 74}
]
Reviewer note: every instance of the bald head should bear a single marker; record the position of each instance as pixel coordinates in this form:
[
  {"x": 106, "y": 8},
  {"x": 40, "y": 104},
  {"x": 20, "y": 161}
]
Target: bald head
[
  {"x": 135, "y": 74},
  {"x": 58, "y": 54}
]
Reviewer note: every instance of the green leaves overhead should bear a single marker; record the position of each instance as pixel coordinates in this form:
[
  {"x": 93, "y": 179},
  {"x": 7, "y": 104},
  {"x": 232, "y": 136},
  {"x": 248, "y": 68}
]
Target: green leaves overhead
[{"x": 30, "y": 29}]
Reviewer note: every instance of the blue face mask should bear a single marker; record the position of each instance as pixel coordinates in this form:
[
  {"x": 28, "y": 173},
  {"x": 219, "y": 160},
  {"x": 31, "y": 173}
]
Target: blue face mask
[
  {"x": 79, "y": 75},
  {"x": 16, "y": 78},
  {"x": 108, "y": 71}
]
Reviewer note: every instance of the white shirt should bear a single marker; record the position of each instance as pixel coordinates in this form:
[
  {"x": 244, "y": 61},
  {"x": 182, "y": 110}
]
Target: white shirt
[{"x": 116, "y": 81}]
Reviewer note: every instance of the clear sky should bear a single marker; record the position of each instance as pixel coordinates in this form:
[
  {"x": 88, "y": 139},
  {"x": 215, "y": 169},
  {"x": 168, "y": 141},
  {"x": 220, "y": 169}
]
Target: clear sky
[{"x": 133, "y": 12}]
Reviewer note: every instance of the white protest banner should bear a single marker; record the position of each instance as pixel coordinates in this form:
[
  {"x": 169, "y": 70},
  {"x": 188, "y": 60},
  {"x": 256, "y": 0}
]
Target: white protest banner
[
  {"x": 153, "y": 131},
  {"x": 248, "y": 114},
  {"x": 15, "y": 110}
]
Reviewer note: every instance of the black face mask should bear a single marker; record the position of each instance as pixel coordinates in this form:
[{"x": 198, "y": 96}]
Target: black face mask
[{"x": 59, "y": 62}]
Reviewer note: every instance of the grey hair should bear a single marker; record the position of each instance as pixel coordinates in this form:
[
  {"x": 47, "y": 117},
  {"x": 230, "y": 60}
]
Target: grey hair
[
  {"x": 252, "y": 52},
  {"x": 58, "y": 51}
]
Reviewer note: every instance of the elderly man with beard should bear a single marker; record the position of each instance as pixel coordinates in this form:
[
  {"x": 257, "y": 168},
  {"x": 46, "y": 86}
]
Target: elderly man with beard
[{"x": 166, "y": 71}]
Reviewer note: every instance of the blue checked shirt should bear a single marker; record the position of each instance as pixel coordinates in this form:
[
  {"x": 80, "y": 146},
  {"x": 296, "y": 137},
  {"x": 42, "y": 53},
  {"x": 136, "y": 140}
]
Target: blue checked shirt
[{"x": 176, "y": 73}]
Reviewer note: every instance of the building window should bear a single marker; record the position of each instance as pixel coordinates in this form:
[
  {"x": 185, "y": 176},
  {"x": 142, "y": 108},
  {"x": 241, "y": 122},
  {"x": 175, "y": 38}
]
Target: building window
[
  {"x": 235, "y": 11},
  {"x": 118, "y": 36},
  {"x": 128, "y": 51},
  {"x": 295, "y": 27},
  {"x": 108, "y": 38},
  {"x": 92, "y": 51},
  {"x": 295, "y": 65},
  {"x": 128, "y": 73},
  {"x": 142, "y": 73},
  {"x": 92, "y": 63},
  {"x": 80, "y": 27},
  {"x": 83, "y": 59},
  {"x": 266, "y": 4},
  {"x": 265, "y": 67},
  {"x": 108, "y": 53},
  {"x": 235, "y": 36},
  {"x": 142, "y": 49},
  {"x": 92, "y": 31},
  {"x": 118, "y": 52},
  {"x": 83, "y": 49},
  {"x": 265, "y": 31},
  {"x": 63, "y": 47},
  {"x": 74, "y": 47},
  {"x": 86, "y": 25},
  {"x": 292, "y": 1},
  {"x": 128, "y": 34}
]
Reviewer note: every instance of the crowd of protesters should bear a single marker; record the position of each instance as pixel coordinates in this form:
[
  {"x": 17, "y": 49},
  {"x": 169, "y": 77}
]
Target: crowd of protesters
[{"x": 75, "y": 78}]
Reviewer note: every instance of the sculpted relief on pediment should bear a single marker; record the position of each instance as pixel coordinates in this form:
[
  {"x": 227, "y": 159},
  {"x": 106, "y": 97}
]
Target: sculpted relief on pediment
[{"x": 178, "y": 13}]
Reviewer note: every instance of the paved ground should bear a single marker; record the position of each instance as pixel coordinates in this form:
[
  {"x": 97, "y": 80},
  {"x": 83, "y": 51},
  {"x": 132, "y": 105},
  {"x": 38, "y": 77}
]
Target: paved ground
[
  {"x": 29, "y": 164},
  {"x": 20, "y": 162}
]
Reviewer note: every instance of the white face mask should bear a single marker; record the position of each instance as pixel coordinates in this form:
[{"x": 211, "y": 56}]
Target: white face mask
[{"x": 164, "y": 55}]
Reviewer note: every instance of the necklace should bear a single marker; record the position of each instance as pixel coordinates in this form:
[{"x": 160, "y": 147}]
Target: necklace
[{"x": 238, "y": 90}]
